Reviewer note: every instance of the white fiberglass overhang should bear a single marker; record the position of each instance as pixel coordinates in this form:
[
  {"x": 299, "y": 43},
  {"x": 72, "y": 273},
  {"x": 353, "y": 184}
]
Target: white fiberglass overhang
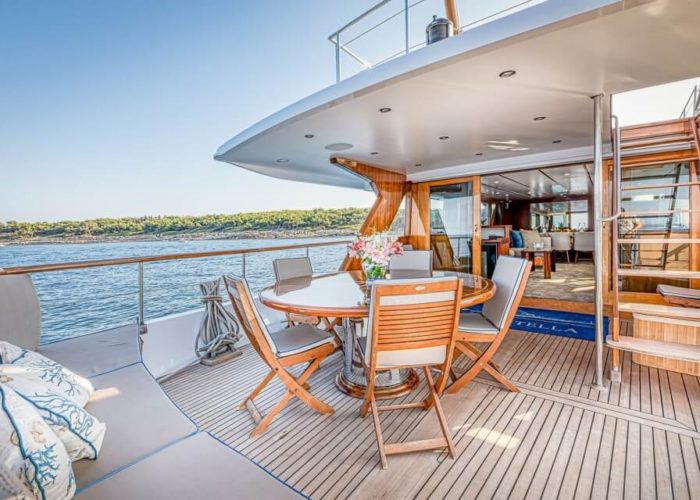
[{"x": 451, "y": 113}]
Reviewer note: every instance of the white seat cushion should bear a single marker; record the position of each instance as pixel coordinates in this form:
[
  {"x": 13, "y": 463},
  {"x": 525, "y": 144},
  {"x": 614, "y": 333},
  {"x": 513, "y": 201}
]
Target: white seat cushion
[
  {"x": 140, "y": 420},
  {"x": 196, "y": 467},
  {"x": 300, "y": 338},
  {"x": 407, "y": 357},
  {"x": 474, "y": 322},
  {"x": 97, "y": 353}
]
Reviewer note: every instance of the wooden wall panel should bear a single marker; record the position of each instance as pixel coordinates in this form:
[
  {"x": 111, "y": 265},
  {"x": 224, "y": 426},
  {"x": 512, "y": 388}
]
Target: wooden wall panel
[{"x": 389, "y": 187}]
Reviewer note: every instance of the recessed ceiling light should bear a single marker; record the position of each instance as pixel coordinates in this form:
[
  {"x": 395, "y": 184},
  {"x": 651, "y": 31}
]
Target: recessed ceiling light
[
  {"x": 496, "y": 182},
  {"x": 444, "y": 137},
  {"x": 539, "y": 118},
  {"x": 507, "y": 73},
  {"x": 282, "y": 160},
  {"x": 556, "y": 141},
  {"x": 374, "y": 153},
  {"x": 419, "y": 164},
  {"x": 339, "y": 146},
  {"x": 384, "y": 110},
  {"x": 309, "y": 136},
  {"x": 567, "y": 174},
  {"x": 479, "y": 154}
]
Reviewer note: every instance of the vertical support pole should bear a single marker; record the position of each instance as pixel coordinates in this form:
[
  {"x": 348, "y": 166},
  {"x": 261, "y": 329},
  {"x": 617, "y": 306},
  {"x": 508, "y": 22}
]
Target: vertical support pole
[
  {"x": 142, "y": 321},
  {"x": 405, "y": 25},
  {"x": 599, "y": 382},
  {"x": 243, "y": 265},
  {"x": 307, "y": 252},
  {"x": 337, "y": 58}
]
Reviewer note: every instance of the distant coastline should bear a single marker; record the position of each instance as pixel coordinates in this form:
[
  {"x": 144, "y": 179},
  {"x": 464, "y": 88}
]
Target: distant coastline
[{"x": 254, "y": 225}]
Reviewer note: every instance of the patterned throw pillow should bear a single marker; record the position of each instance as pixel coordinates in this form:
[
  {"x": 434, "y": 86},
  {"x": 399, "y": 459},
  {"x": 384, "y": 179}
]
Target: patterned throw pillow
[
  {"x": 42, "y": 370},
  {"x": 80, "y": 432},
  {"x": 30, "y": 452}
]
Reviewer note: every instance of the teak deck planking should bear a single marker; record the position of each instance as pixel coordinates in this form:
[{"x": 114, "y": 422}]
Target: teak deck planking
[{"x": 557, "y": 437}]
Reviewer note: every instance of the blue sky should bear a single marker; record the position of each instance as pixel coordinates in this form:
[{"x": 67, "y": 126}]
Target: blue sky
[{"x": 115, "y": 108}]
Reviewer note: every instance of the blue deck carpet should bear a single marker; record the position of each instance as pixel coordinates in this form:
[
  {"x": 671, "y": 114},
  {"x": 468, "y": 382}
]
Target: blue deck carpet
[{"x": 562, "y": 324}]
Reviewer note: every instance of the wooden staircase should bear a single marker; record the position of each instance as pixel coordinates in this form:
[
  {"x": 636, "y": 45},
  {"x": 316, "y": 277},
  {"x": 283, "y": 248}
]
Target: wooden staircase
[{"x": 675, "y": 141}]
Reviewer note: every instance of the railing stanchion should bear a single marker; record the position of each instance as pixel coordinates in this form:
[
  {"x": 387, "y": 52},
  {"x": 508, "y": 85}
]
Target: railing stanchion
[
  {"x": 243, "y": 270},
  {"x": 142, "y": 320},
  {"x": 405, "y": 23},
  {"x": 337, "y": 57},
  {"x": 307, "y": 252}
]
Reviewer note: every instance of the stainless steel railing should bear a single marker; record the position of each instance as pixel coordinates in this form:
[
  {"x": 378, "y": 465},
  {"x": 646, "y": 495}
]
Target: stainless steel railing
[
  {"x": 400, "y": 13},
  {"x": 692, "y": 105},
  {"x": 244, "y": 253}
]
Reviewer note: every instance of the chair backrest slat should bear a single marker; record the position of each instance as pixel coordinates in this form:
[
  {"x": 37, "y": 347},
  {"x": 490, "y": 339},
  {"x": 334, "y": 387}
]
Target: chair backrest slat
[
  {"x": 287, "y": 269},
  {"x": 413, "y": 314},
  {"x": 508, "y": 277},
  {"x": 244, "y": 307}
]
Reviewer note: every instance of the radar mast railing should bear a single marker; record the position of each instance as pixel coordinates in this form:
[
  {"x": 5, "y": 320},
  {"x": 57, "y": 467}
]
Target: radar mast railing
[
  {"x": 343, "y": 47},
  {"x": 692, "y": 105}
]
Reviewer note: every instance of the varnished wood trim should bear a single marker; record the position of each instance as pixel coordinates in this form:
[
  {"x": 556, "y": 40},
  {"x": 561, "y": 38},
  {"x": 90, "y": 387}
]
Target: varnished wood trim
[{"x": 390, "y": 188}]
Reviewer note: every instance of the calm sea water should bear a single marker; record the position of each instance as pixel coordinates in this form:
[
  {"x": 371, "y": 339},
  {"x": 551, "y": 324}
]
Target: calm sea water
[{"x": 77, "y": 302}]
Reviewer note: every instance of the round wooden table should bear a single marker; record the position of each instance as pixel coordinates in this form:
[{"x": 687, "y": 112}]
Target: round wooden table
[{"x": 343, "y": 295}]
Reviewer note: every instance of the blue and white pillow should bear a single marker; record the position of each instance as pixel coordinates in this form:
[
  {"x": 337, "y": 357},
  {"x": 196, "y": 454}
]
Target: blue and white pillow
[
  {"x": 33, "y": 366},
  {"x": 80, "y": 432},
  {"x": 30, "y": 452}
]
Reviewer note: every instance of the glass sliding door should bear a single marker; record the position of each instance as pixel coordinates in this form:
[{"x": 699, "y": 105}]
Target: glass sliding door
[{"x": 454, "y": 227}]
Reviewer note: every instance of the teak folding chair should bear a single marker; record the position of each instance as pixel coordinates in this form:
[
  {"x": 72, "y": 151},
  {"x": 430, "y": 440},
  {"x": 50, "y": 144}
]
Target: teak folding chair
[
  {"x": 279, "y": 350},
  {"x": 412, "y": 324},
  {"x": 492, "y": 323}
]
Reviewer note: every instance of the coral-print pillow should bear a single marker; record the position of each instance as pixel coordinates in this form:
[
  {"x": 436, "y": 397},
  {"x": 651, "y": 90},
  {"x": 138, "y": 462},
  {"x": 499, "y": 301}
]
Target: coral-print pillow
[
  {"x": 33, "y": 366},
  {"x": 30, "y": 453},
  {"x": 80, "y": 432}
]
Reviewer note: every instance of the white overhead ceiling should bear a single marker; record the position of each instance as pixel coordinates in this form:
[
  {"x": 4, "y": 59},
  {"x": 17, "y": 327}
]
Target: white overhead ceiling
[
  {"x": 564, "y": 51},
  {"x": 547, "y": 183}
]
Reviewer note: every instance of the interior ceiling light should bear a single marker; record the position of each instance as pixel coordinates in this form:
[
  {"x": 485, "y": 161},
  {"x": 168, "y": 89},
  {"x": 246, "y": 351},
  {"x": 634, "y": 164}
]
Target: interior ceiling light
[
  {"x": 282, "y": 160},
  {"x": 567, "y": 174},
  {"x": 384, "y": 110},
  {"x": 539, "y": 118},
  {"x": 309, "y": 136},
  {"x": 479, "y": 154},
  {"x": 507, "y": 73},
  {"x": 557, "y": 141},
  {"x": 444, "y": 137},
  {"x": 419, "y": 164},
  {"x": 496, "y": 182},
  {"x": 339, "y": 146},
  {"x": 374, "y": 153}
]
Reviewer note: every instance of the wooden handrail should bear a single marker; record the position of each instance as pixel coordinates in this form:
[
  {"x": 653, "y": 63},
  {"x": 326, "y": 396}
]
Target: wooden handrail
[{"x": 66, "y": 266}]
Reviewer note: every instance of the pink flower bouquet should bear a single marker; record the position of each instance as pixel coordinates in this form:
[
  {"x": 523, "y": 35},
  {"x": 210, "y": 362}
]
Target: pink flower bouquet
[{"x": 375, "y": 251}]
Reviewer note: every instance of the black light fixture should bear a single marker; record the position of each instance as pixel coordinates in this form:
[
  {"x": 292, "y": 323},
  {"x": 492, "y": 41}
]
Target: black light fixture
[
  {"x": 419, "y": 165},
  {"x": 479, "y": 154},
  {"x": 309, "y": 136},
  {"x": 507, "y": 73},
  {"x": 374, "y": 153},
  {"x": 384, "y": 110},
  {"x": 444, "y": 137},
  {"x": 282, "y": 160},
  {"x": 539, "y": 118}
]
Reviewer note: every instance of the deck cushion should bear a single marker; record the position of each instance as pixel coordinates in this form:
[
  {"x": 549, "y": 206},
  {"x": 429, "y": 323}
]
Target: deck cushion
[
  {"x": 300, "y": 338},
  {"x": 140, "y": 420},
  {"x": 97, "y": 353},
  {"x": 196, "y": 467},
  {"x": 474, "y": 322}
]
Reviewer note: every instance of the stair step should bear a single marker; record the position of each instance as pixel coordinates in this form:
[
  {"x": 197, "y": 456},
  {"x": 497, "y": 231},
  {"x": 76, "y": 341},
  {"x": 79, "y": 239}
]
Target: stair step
[
  {"x": 683, "y": 352},
  {"x": 661, "y": 273},
  {"x": 669, "y": 241},
  {"x": 689, "y": 313}
]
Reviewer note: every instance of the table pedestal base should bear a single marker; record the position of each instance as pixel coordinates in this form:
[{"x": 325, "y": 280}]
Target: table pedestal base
[{"x": 387, "y": 385}]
